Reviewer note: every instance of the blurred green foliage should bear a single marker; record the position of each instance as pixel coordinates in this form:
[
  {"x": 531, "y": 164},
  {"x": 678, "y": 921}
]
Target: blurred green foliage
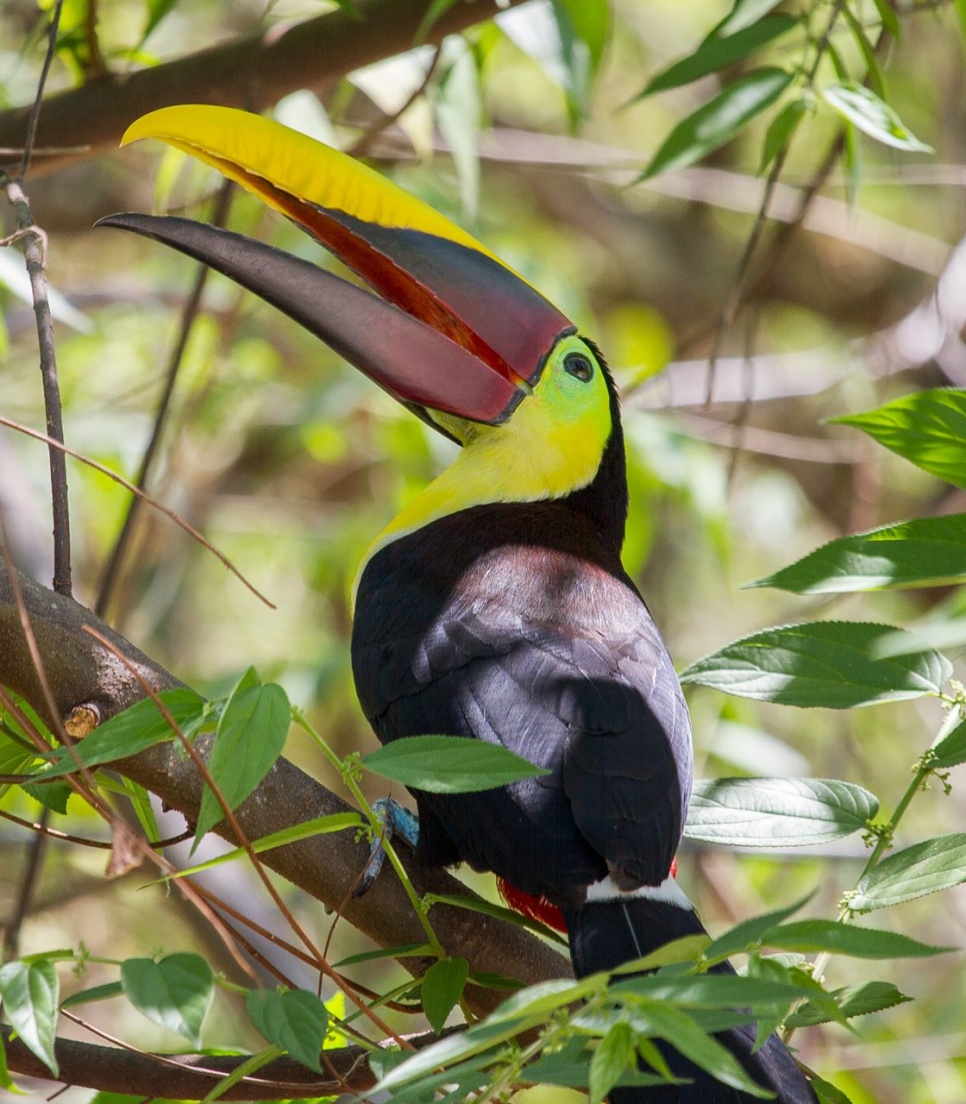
[{"x": 290, "y": 463}]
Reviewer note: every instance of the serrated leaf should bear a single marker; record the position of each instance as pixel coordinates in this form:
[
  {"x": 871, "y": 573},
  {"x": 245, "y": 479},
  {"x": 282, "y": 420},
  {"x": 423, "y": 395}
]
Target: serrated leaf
[
  {"x": 174, "y": 992},
  {"x": 292, "y": 1019},
  {"x": 136, "y": 729},
  {"x": 442, "y": 987},
  {"x": 29, "y": 991},
  {"x": 719, "y": 120},
  {"x": 835, "y": 937},
  {"x": 927, "y": 867},
  {"x": 777, "y": 812},
  {"x": 570, "y": 1066},
  {"x": 927, "y": 428},
  {"x": 717, "y": 52},
  {"x": 614, "y": 1054},
  {"x": 711, "y": 991},
  {"x": 449, "y": 764},
  {"x": 951, "y": 750},
  {"x": 748, "y": 933},
  {"x": 827, "y": 664},
  {"x": 250, "y": 738},
  {"x": 852, "y": 1000},
  {"x": 923, "y": 552},
  {"x": 873, "y": 116}
]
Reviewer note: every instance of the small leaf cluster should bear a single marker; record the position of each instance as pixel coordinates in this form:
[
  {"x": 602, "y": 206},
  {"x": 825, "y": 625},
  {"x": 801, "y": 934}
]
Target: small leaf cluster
[{"x": 815, "y": 75}]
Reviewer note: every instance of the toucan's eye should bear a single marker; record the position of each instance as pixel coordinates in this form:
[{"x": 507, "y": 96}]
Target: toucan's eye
[{"x": 578, "y": 366}]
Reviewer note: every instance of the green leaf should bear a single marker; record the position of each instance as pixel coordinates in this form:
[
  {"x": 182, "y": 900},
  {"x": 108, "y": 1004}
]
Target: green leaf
[
  {"x": 928, "y": 428},
  {"x": 828, "y": 1093},
  {"x": 499, "y": 912},
  {"x": 951, "y": 750},
  {"x": 250, "y": 738},
  {"x": 546, "y": 997},
  {"x": 863, "y": 108},
  {"x": 710, "y": 991},
  {"x": 292, "y": 1019},
  {"x": 29, "y": 992},
  {"x": 106, "y": 991},
  {"x": 852, "y": 1000},
  {"x": 923, "y": 552},
  {"x": 442, "y": 987},
  {"x": 449, "y": 764},
  {"x": 826, "y": 664},
  {"x": 777, "y": 812},
  {"x": 835, "y": 937},
  {"x": 681, "y": 1031},
  {"x": 140, "y": 727},
  {"x": 743, "y": 13},
  {"x": 53, "y": 795},
  {"x": 926, "y": 867},
  {"x": 747, "y": 935},
  {"x": 319, "y": 826},
  {"x": 780, "y": 131},
  {"x": 458, "y": 106},
  {"x": 889, "y": 18},
  {"x": 615, "y": 1053},
  {"x": 718, "y": 121},
  {"x": 174, "y": 992},
  {"x": 867, "y": 50},
  {"x": 570, "y": 1066},
  {"x": 717, "y": 52},
  {"x": 403, "y": 950},
  {"x": 583, "y": 27}
]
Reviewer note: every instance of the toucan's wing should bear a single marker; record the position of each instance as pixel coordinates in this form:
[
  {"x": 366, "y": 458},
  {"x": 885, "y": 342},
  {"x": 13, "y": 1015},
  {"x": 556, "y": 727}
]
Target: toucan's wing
[{"x": 584, "y": 692}]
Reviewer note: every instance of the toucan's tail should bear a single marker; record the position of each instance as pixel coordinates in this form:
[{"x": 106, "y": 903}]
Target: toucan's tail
[{"x": 604, "y": 934}]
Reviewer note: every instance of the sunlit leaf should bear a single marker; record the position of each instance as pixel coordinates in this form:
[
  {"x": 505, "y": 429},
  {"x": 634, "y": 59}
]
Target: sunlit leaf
[
  {"x": 717, "y": 52},
  {"x": 250, "y": 738},
  {"x": 835, "y": 937},
  {"x": 951, "y": 750},
  {"x": 873, "y": 116},
  {"x": 927, "y": 867},
  {"x": 852, "y": 1000},
  {"x": 29, "y": 992},
  {"x": 926, "y": 427},
  {"x": 825, "y": 664},
  {"x": 449, "y": 764},
  {"x": 174, "y": 992},
  {"x": 777, "y": 812},
  {"x": 292, "y": 1019},
  {"x": 928, "y": 551},
  {"x": 718, "y": 121},
  {"x": 133, "y": 731}
]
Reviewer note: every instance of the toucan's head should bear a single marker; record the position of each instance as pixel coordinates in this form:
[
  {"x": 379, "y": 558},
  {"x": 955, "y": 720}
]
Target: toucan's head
[{"x": 454, "y": 333}]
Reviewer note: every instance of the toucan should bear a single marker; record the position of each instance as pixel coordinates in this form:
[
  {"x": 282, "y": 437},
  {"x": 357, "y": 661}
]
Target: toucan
[{"x": 494, "y": 606}]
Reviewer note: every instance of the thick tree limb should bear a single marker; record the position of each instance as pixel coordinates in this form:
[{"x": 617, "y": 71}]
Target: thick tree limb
[
  {"x": 82, "y": 672},
  {"x": 251, "y": 72}
]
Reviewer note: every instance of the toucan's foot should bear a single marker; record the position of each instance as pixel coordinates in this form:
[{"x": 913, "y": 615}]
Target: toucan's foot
[{"x": 398, "y": 823}]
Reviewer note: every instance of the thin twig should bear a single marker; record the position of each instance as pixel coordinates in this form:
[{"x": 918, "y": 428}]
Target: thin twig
[
  {"x": 34, "y": 117},
  {"x": 361, "y": 147},
  {"x": 111, "y": 576},
  {"x": 28, "y": 885},
  {"x": 153, "y": 502}
]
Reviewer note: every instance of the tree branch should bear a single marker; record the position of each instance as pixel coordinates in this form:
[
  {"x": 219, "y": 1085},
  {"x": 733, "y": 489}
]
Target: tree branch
[
  {"x": 83, "y": 673},
  {"x": 251, "y": 72}
]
